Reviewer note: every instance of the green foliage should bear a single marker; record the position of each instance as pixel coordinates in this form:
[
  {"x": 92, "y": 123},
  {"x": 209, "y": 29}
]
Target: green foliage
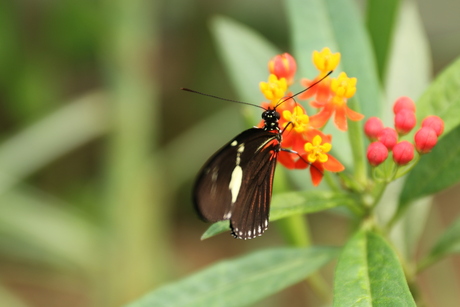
[
  {"x": 293, "y": 203},
  {"x": 369, "y": 274},
  {"x": 435, "y": 171},
  {"x": 241, "y": 281}
]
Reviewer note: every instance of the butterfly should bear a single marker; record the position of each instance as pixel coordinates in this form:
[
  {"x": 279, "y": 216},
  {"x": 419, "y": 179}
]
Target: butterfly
[{"x": 236, "y": 183}]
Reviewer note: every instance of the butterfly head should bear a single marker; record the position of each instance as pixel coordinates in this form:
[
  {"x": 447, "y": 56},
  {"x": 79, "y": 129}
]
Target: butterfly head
[{"x": 271, "y": 117}]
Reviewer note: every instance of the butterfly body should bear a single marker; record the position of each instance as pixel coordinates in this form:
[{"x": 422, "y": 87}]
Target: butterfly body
[{"x": 236, "y": 182}]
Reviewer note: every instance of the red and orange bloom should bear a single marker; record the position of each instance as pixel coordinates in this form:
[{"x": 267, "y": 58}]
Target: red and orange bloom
[
  {"x": 317, "y": 153},
  {"x": 283, "y": 66},
  {"x": 342, "y": 89}
]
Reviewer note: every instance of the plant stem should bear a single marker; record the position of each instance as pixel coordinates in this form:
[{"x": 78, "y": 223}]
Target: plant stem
[
  {"x": 134, "y": 209},
  {"x": 355, "y": 134}
]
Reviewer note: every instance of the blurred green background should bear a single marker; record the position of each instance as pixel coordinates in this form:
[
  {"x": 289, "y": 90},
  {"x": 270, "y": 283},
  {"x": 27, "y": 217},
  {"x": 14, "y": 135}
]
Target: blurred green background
[{"x": 99, "y": 146}]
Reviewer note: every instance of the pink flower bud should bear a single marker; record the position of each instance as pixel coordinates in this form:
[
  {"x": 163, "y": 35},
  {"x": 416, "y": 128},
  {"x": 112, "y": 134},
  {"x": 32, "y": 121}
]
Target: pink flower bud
[
  {"x": 376, "y": 153},
  {"x": 372, "y": 127},
  {"x": 434, "y": 122},
  {"x": 403, "y": 152},
  {"x": 425, "y": 139},
  {"x": 388, "y": 137},
  {"x": 405, "y": 121},
  {"x": 403, "y": 103},
  {"x": 283, "y": 66}
]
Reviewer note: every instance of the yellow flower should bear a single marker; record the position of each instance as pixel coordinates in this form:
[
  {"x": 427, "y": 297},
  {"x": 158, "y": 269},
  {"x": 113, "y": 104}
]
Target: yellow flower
[
  {"x": 317, "y": 151},
  {"x": 298, "y": 118},
  {"x": 325, "y": 60},
  {"x": 343, "y": 86},
  {"x": 274, "y": 89}
]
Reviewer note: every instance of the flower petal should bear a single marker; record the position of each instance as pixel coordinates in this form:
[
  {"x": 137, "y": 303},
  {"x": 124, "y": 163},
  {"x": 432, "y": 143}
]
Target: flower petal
[
  {"x": 287, "y": 159},
  {"x": 333, "y": 165},
  {"x": 316, "y": 173},
  {"x": 353, "y": 115},
  {"x": 340, "y": 118},
  {"x": 320, "y": 119}
]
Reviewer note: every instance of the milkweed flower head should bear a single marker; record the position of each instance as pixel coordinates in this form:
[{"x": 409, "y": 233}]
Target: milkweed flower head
[
  {"x": 301, "y": 135},
  {"x": 403, "y": 152},
  {"x": 304, "y": 143}
]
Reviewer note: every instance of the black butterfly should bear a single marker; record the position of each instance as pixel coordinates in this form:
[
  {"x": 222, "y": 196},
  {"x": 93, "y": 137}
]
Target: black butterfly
[{"x": 236, "y": 182}]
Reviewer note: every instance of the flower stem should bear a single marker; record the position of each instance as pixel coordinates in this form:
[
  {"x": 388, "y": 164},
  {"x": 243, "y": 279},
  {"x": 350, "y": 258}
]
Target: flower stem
[{"x": 355, "y": 135}]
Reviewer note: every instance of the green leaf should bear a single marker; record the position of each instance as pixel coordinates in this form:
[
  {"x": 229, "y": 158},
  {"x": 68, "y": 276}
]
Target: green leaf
[
  {"x": 241, "y": 281},
  {"x": 435, "y": 171},
  {"x": 293, "y": 203},
  {"x": 381, "y": 16},
  {"x": 443, "y": 98},
  {"x": 369, "y": 274},
  {"x": 245, "y": 54},
  {"x": 449, "y": 242},
  {"x": 409, "y": 68}
]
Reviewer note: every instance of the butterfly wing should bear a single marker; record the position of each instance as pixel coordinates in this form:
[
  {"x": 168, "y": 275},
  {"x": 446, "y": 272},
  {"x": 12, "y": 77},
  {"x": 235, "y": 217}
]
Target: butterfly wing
[{"x": 236, "y": 182}]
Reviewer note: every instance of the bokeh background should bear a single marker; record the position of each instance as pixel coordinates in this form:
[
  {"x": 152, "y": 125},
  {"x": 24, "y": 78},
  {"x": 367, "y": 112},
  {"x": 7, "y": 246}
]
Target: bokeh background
[{"x": 99, "y": 147}]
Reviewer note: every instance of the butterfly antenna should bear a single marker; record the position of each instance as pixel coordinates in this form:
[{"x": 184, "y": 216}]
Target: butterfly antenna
[
  {"x": 220, "y": 98},
  {"x": 304, "y": 90}
]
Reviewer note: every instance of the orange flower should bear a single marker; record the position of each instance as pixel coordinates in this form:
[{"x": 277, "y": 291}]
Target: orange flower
[
  {"x": 342, "y": 89},
  {"x": 317, "y": 154}
]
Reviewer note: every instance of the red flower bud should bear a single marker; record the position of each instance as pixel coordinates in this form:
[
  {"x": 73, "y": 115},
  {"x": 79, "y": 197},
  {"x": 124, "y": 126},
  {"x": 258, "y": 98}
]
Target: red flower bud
[
  {"x": 403, "y": 152},
  {"x": 403, "y": 103},
  {"x": 405, "y": 121},
  {"x": 372, "y": 127},
  {"x": 434, "y": 122},
  {"x": 376, "y": 153},
  {"x": 388, "y": 137},
  {"x": 283, "y": 66},
  {"x": 425, "y": 139}
]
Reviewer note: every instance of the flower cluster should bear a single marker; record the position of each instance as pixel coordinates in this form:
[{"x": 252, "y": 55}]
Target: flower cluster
[
  {"x": 385, "y": 139},
  {"x": 302, "y": 133}
]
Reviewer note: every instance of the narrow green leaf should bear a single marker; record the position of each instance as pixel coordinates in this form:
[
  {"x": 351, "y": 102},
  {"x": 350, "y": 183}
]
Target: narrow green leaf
[
  {"x": 449, "y": 242},
  {"x": 357, "y": 55},
  {"x": 381, "y": 16},
  {"x": 435, "y": 171},
  {"x": 369, "y": 274},
  {"x": 245, "y": 54},
  {"x": 241, "y": 281},
  {"x": 409, "y": 69},
  {"x": 293, "y": 203},
  {"x": 56, "y": 134},
  {"x": 443, "y": 98}
]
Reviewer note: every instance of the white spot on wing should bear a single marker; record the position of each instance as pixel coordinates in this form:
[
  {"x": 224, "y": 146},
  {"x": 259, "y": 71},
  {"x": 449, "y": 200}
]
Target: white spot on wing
[
  {"x": 235, "y": 182},
  {"x": 234, "y": 143}
]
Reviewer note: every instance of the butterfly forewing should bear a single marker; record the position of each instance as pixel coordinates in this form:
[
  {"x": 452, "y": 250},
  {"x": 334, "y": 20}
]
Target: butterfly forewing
[{"x": 236, "y": 182}]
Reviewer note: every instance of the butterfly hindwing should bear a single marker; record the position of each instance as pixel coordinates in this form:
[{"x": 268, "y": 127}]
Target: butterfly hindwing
[{"x": 236, "y": 182}]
